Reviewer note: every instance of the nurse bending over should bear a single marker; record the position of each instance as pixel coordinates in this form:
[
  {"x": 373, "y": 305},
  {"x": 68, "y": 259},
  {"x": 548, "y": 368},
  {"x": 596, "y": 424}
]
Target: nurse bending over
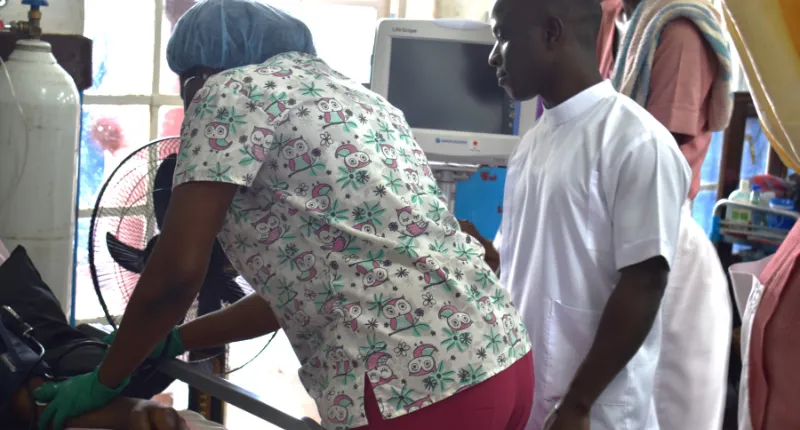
[{"x": 325, "y": 204}]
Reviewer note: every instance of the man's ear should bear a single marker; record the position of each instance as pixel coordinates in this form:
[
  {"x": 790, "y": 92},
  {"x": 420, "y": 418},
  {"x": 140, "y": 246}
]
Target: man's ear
[{"x": 554, "y": 30}]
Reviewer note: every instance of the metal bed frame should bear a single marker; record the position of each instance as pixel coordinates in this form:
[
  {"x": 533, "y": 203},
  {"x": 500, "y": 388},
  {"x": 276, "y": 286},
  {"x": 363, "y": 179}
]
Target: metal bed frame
[{"x": 198, "y": 377}]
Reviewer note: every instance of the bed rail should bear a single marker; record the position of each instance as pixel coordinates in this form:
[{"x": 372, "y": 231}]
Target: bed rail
[{"x": 200, "y": 378}]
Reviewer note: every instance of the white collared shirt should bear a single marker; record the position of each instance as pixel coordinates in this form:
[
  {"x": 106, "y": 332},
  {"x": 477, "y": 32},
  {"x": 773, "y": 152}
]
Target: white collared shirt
[{"x": 597, "y": 185}]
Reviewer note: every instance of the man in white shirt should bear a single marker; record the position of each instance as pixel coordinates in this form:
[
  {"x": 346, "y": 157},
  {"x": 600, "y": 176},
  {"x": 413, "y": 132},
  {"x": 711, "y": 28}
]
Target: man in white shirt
[{"x": 590, "y": 221}]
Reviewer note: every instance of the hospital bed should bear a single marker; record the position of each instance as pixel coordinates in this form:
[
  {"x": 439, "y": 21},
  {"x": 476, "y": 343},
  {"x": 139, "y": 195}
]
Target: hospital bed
[{"x": 197, "y": 376}]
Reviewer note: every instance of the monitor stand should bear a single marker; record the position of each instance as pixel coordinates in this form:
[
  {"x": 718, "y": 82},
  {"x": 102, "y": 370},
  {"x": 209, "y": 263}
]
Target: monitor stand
[{"x": 448, "y": 175}]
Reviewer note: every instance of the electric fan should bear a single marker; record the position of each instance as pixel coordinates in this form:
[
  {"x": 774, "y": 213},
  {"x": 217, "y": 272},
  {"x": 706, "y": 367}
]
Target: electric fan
[{"x": 124, "y": 228}]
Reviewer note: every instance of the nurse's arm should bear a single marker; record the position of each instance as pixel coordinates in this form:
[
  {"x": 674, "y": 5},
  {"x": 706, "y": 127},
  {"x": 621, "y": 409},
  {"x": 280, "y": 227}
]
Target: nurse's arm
[
  {"x": 248, "y": 318},
  {"x": 624, "y": 326},
  {"x": 172, "y": 277}
]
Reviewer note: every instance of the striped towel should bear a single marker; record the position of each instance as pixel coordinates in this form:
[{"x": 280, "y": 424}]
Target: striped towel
[{"x": 635, "y": 56}]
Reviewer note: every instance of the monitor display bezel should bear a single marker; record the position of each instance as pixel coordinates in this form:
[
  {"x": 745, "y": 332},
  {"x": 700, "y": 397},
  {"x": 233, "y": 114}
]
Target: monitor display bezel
[{"x": 447, "y": 145}]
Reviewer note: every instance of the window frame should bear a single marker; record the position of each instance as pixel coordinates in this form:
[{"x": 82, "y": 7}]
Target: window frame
[{"x": 156, "y": 100}]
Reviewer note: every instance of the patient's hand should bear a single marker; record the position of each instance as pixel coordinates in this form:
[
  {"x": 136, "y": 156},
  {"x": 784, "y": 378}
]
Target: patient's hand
[
  {"x": 154, "y": 416},
  {"x": 122, "y": 413}
]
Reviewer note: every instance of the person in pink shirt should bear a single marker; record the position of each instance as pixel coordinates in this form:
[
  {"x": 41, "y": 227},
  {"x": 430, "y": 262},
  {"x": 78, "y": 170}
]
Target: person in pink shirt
[
  {"x": 607, "y": 39},
  {"x": 774, "y": 384},
  {"x": 686, "y": 88},
  {"x": 683, "y": 71}
]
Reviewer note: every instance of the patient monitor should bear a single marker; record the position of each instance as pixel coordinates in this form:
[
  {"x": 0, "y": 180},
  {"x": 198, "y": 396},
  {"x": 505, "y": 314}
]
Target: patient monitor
[{"x": 437, "y": 72}]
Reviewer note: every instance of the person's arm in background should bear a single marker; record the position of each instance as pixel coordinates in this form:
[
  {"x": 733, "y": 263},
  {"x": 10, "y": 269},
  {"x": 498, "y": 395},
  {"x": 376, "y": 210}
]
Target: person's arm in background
[
  {"x": 248, "y": 318},
  {"x": 606, "y": 38},
  {"x": 645, "y": 186},
  {"x": 491, "y": 257},
  {"x": 121, "y": 414},
  {"x": 684, "y": 67}
]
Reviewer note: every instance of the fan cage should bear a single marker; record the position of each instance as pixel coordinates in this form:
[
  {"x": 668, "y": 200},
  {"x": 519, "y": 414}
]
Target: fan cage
[{"x": 124, "y": 208}]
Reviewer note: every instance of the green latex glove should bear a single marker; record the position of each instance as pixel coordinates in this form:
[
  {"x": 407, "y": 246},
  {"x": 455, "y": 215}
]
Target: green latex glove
[
  {"x": 174, "y": 349},
  {"x": 73, "y": 397}
]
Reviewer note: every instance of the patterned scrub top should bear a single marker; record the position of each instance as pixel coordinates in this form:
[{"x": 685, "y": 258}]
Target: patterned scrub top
[{"x": 339, "y": 223}]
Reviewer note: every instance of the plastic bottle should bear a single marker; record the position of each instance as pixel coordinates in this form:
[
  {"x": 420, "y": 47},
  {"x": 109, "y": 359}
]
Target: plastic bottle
[
  {"x": 739, "y": 217},
  {"x": 755, "y": 195},
  {"x": 757, "y": 217}
]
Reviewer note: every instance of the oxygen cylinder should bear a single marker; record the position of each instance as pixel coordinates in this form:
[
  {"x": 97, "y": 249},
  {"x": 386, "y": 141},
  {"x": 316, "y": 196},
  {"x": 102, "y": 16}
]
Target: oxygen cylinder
[{"x": 39, "y": 136}]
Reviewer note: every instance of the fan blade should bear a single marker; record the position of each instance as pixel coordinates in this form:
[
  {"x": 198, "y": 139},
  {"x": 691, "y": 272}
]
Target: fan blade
[
  {"x": 128, "y": 257},
  {"x": 162, "y": 187},
  {"x": 151, "y": 245}
]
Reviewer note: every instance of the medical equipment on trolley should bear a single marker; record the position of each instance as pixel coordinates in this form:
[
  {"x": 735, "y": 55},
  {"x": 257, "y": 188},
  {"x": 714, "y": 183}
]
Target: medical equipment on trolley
[
  {"x": 39, "y": 120},
  {"x": 437, "y": 72}
]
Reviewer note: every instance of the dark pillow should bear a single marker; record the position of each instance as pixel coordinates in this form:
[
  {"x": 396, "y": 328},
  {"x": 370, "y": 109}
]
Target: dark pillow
[{"x": 22, "y": 288}]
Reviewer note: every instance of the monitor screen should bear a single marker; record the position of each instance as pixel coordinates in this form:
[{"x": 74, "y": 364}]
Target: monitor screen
[{"x": 445, "y": 85}]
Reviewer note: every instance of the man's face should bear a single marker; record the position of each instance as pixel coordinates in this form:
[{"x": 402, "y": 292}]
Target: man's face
[{"x": 519, "y": 55}]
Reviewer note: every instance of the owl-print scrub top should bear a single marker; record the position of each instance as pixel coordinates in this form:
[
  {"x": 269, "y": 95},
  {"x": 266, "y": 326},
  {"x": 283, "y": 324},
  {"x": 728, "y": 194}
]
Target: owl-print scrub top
[{"x": 339, "y": 223}]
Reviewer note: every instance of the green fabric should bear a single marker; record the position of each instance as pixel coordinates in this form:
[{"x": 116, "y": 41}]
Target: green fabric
[
  {"x": 174, "y": 349},
  {"x": 73, "y": 397}
]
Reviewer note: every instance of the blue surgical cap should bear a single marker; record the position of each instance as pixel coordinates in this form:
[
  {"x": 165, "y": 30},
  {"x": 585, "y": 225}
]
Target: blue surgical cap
[{"x": 224, "y": 34}]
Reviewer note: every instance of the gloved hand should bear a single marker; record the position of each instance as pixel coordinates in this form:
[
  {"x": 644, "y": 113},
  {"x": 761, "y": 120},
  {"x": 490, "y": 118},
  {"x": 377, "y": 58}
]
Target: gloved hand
[
  {"x": 73, "y": 397},
  {"x": 174, "y": 346}
]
